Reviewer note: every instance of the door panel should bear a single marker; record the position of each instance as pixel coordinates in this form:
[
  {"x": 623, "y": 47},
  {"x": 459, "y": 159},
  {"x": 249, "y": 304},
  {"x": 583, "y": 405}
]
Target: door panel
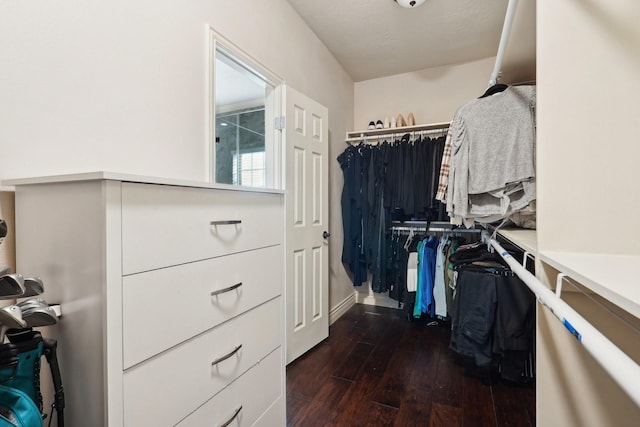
[
  {"x": 306, "y": 198},
  {"x": 317, "y": 283}
]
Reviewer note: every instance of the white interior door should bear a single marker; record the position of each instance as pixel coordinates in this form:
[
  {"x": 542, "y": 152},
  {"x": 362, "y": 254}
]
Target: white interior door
[{"x": 306, "y": 200}]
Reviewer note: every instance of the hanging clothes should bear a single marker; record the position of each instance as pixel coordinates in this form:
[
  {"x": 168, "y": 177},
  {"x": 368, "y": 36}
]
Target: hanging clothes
[
  {"x": 449, "y": 276},
  {"x": 439, "y": 287},
  {"x": 390, "y": 180},
  {"x": 427, "y": 251},
  {"x": 353, "y": 212},
  {"x": 490, "y": 174},
  {"x": 492, "y": 315},
  {"x": 412, "y": 272},
  {"x": 399, "y": 271}
]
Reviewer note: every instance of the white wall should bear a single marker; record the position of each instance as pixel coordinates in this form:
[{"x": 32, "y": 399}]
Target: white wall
[
  {"x": 432, "y": 94},
  {"x": 122, "y": 86},
  {"x": 588, "y": 62},
  {"x": 8, "y": 246},
  {"x": 588, "y": 125}
]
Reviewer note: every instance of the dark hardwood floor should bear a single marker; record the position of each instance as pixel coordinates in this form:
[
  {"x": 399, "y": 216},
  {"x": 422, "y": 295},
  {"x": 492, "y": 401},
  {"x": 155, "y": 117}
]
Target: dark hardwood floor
[{"x": 379, "y": 369}]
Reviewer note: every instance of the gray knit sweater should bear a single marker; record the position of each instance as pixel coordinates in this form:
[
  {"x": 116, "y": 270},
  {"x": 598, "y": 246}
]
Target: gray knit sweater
[{"x": 493, "y": 154}]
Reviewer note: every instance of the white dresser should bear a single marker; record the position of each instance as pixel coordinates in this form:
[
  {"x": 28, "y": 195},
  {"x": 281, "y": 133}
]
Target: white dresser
[{"x": 171, "y": 296}]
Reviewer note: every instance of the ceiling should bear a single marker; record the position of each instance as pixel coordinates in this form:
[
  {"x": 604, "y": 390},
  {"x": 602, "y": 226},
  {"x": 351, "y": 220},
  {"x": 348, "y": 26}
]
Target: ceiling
[
  {"x": 377, "y": 38},
  {"x": 236, "y": 88}
]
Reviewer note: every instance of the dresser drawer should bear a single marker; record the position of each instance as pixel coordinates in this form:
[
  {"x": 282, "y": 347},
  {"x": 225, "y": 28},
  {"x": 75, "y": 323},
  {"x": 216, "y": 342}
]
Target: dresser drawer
[
  {"x": 165, "y": 225},
  {"x": 162, "y": 308},
  {"x": 249, "y": 396},
  {"x": 178, "y": 381}
]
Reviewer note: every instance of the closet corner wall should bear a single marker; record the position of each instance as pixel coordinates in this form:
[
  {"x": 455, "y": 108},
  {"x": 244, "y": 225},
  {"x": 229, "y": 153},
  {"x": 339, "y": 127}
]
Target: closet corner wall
[
  {"x": 587, "y": 176},
  {"x": 7, "y": 213}
]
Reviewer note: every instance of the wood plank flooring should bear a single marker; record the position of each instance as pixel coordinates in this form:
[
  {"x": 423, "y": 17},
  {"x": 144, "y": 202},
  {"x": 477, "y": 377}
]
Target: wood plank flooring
[{"x": 379, "y": 369}]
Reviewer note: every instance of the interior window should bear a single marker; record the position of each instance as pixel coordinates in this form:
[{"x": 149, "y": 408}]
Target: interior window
[{"x": 245, "y": 142}]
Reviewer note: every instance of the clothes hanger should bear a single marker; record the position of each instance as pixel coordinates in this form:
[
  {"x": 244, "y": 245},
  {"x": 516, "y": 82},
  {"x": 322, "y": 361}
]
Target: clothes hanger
[
  {"x": 498, "y": 87},
  {"x": 407, "y": 244}
]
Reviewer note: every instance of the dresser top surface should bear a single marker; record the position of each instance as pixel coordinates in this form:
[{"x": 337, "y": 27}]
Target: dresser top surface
[{"x": 123, "y": 177}]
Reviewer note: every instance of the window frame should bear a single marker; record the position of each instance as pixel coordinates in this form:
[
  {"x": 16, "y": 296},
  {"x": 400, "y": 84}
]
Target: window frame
[{"x": 273, "y": 109}]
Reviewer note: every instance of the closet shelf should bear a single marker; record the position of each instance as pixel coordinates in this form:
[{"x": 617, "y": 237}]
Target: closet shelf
[
  {"x": 614, "y": 277},
  {"x": 524, "y": 238},
  {"x": 373, "y": 133}
]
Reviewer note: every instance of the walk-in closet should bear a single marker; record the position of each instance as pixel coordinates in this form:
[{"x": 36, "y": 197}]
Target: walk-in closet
[{"x": 320, "y": 213}]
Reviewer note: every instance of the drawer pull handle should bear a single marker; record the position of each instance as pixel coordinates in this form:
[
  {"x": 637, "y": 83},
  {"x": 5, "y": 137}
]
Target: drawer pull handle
[
  {"x": 233, "y": 417},
  {"x": 226, "y": 356},
  {"x": 227, "y": 289},
  {"x": 227, "y": 222}
]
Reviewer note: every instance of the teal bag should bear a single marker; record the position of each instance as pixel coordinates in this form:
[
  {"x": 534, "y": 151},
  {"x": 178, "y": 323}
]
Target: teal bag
[
  {"x": 28, "y": 349},
  {"x": 17, "y": 409},
  {"x": 20, "y": 362}
]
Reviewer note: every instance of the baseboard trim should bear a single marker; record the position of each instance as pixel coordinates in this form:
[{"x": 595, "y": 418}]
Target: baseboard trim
[
  {"x": 379, "y": 300},
  {"x": 342, "y": 307}
]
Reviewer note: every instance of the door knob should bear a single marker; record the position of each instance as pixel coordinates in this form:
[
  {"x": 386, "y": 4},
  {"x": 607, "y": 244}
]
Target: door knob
[{"x": 326, "y": 234}]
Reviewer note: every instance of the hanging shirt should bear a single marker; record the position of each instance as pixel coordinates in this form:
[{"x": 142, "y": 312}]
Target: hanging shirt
[
  {"x": 412, "y": 272},
  {"x": 445, "y": 166},
  {"x": 493, "y": 155},
  {"x": 426, "y": 275},
  {"x": 352, "y": 251},
  {"x": 439, "y": 291}
]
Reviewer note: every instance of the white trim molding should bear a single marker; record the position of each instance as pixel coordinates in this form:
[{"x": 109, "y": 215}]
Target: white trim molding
[{"x": 341, "y": 308}]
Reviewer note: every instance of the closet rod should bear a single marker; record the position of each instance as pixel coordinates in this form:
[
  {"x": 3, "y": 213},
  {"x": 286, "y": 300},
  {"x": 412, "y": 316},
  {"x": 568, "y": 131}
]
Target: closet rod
[
  {"x": 437, "y": 230},
  {"x": 437, "y": 226},
  {"x": 620, "y": 367},
  {"x": 504, "y": 38},
  {"x": 364, "y": 137}
]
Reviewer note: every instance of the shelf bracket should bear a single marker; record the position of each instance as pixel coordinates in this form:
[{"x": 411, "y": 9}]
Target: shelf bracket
[
  {"x": 526, "y": 256},
  {"x": 559, "y": 280}
]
